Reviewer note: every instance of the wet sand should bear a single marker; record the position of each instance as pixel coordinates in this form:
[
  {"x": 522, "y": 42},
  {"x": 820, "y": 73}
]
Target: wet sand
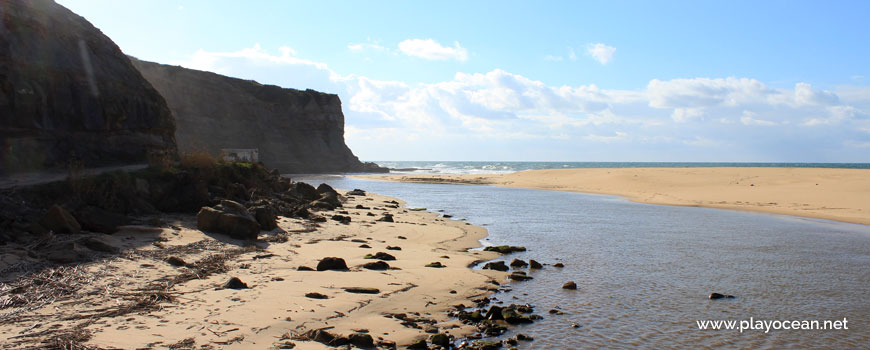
[
  {"x": 135, "y": 299},
  {"x": 832, "y": 194}
]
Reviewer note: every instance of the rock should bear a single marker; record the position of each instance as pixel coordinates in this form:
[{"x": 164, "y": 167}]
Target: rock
[
  {"x": 380, "y": 256},
  {"x": 265, "y": 217},
  {"x": 418, "y": 344},
  {"x": 304, "y": 268},
  {"x": 362, "y": 290},
  {"x": 442, "y": 340},
  {"x": 66, "y": 253},
  {"x": 486, "y": 345},
  {"x": 535, "y": 265},
  {"x": 361, "y": 340},
  {"x": 386, "y": 218},
  {"x": 496, "y": 265},
  {"x": 315, "y": 295},
  {"x": 435, "y": 264},
  {"x": 715, "y": 296},
  {"x": 356, "y": 192},
  {"x": 342, "y": 219},
  {"x": 98, "y": 220},
  {"x": 505, "y": 249},
  {"x": 559, "y": 265},
  {"x": 360, "y": 206},
  {"x": 377, "y": 265},
  {"x": 393, "y": 248},
  {"x": 235, "y": 283},
  {"x": 518, "y": 263},
  {"x": 306, "y": 191},
  {"x": 519, "y": 276},
  {"x": 331, "y": 263},
  {"x": 569, "y": 285},
  {"x": 230, "y": 218},
  {"x": 69, "y": 95},
  {"x": 175, "y": 261},
  {"x": 98, "y": 245},
  {"x": 326, "y": 189},
  {"x": 365, "y": 246},
  {"x": 387, "y": 344},
  {"x": 59, "y": 220},
  {"x": 494, "y": 313},
  {"x": 510, "y": 315},
  {"x": 523, "y": 337}
]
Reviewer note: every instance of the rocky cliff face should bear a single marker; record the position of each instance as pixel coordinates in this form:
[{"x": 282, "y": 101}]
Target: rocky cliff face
[
  {"x": 68, "y": 93},
  {"x": 295, "y": 131}
]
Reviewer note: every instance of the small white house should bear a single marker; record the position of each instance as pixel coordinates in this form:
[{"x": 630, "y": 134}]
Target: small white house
[{"x": 250, "y": 155}]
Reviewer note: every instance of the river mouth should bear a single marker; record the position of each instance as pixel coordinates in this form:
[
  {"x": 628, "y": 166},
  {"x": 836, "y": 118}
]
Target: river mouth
[{"x": 645, "y": 272}]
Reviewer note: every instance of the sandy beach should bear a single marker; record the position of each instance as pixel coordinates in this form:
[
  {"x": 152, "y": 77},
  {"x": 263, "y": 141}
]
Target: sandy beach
[
  {"x": 136, "y": 299},
  {"x": 832, "y": 194}
]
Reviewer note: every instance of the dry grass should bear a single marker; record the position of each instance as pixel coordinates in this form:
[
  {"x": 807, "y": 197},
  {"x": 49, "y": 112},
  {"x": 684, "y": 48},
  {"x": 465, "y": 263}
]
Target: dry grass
[{"x": 45, "y": 287}]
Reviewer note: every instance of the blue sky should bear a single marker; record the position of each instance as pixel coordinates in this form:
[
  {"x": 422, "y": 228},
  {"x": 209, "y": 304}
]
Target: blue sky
[{"x": 511, "y": 80}]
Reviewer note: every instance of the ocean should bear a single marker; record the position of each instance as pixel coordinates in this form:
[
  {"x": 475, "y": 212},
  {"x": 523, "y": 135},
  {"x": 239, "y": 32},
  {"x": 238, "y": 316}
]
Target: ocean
[
  {"x": 645, "y": 271},
  {"x": 482, "y": 167}
]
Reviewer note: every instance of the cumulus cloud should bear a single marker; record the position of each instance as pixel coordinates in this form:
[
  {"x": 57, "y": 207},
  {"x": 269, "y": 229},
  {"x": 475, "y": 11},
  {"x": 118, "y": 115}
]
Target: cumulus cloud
[
  {"x": 431, "y": 50},
  {"x": 600, "y": 52},
  {"x": 711, "y": 114}
]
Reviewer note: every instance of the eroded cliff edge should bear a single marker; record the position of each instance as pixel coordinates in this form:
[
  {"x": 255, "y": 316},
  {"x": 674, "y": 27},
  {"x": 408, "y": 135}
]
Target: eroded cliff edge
[
  {"x": 68, "y": 94},
  {"x": 294, "y": 131}
]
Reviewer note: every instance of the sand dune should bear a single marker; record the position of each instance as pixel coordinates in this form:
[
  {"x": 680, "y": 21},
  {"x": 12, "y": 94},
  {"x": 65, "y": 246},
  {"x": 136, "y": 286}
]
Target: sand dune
[{"x": 833, "y": 194}]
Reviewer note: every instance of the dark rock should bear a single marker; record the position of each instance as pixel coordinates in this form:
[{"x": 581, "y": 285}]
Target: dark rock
[
  {"x": 175, "y": 261},
  {"x": 361, "y": 340},
  {"x": 386, "y": 218},
  {"x": 230, "y": 218},
  {"x": 524, "y": 337},
  {"x": 401, "y": 237},
  {"x": 360, "y": 206},
  {"x": 370, "y": 214},
  {"x": 306, "y": 191},
  {"x": 442, "y": 340},
  {"x": 265, "y": 217},
  {"x": 362, "y": 290},
  {"x": 559, "y": 265},
  {"x": 235, "y": 283},
  {"x": 510, "y": 315},
  {"x": 393, "y": 248},
  {"x": 356, "y": 192},
  {"x": 486, "y": 345},
  {"x": 326, "y": 189},
  {"x": 342, "y": 219},
  {"x": 436, "y": 264},
  {"x": 331, "y": 263},
  {"x": 98, "y": 220},
  {"x": 365, "y": 246},
  {"x": 494, "y": 313},
  {"x": 377, "y": 265},
  {"x": 59, "y": 220},
  {"x": 496, "y": 265},
  {"x": 519, "y": 276},
  {"x": 418, "y": 344},
  {"x": 66, "y": 253},
  {"x": 573, "y": 286},
  {"x": 68, "y": 95},
  {"x": 380, "y": 256},
  {"x": 535, "y": 265},
  {"x": 715, "y": 296},
  {"x": 304, "y": 268},
  {"x": 504, "y": 249},
  {"x": 518, "y": 263},
  {"x": 315, "y": 295},
  {"x": 98, "y": 245}
]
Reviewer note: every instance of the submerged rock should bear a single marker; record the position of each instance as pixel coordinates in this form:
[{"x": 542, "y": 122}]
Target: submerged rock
[
  {"x": 496, "y": 265},
  {"x": 535, "y": 265},
  {"x": 715, "y": 296},
  {"x": 518, "y": 263},
  {"x": 505, "y": 249},
  {"x": 569, "y": 285}
]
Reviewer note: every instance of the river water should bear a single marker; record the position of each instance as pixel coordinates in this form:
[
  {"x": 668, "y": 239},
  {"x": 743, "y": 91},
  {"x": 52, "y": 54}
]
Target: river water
[{"x": 644, "y": 272}]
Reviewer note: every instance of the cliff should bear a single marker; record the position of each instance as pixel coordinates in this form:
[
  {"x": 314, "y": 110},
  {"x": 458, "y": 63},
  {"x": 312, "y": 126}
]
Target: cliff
[
  {"x": 295, "y": 131},
  {"x": 68, "y": 93}
]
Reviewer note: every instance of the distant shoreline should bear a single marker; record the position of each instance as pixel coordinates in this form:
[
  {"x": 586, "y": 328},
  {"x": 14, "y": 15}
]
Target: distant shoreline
[{"x": 824, "y": 193}]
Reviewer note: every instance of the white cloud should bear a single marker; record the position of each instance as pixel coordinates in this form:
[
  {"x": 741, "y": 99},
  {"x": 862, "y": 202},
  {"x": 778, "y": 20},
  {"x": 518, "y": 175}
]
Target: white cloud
[
  {"x": 510, "y": 108},
  {"x": 573, "y": 55},
  {"x": 431, "y": 50},
  {"x": 600, "y": 52},
  {"x": 368, "y": 45},
  {"x": 554, "y": 58}
]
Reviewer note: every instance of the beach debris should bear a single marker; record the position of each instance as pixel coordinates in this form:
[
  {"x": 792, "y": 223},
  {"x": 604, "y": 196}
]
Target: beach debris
[
  {"x": 393, "y": 248},
  {"x": 504, "y": 249},
  {"x": 380, "y": 256},
  {"x": 175, "y": 261},
  {"x": 518, "y": 263},
  {"x": 316, "y": 295},
  {"x": 417, "y": 209},
  {"x": 235, "y": 283},
  {"x": 230, "y": 218},
  {"x": 377, "y": 265},
  {"x": 715, "y": 296},
  {"x": 535, "y": 265},
  {"x": 559, "y": 265},
  {"x": 496, "y": 265},
  {"x": 304, "y": 268},
  {"x": 362, "y": 290},
  {"x": 356, "y": 192},
  {"x": 59, "y": 220},
  {"x": 519, "y": 276},
  {"x": 436, "y": 264},
  {"x": 386, "y": 218},
  {"x": 331, "y": 263},
  {"x": 575, "y": 325},
  {"x": 570, "y": 285}
]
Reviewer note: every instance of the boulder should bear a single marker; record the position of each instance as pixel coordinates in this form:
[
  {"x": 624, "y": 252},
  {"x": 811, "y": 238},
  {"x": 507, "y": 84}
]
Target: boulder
[
  {"x": 570, "y": 285},
  {"x": 98, "y": 220},
  {"x": 331, "y": 263},
  {"x": 496, "y": 265},
  {"x": 265, "y": 217},
  {"x": 235, "y": 283},
  {"x": 306, "y": 191},
  {"x": 377, "y": 265},
  {"x": 535, "y": 265},
  {"x": 518, "y": 263},
  {"x": 326, "y": 189},
  {"x": 361, "y": 340},
  {"x": 59, "y": 220},
  {"x": 344, "y": 219},
  {"x": 442, "y": 340},
  {"x": 230, "y": 218},
  {"x": 418, "y": 344},
  {"x": 380, "y": 256},
  {"x": 386, "y": 218},
  {"x": 356, "y": 192}
]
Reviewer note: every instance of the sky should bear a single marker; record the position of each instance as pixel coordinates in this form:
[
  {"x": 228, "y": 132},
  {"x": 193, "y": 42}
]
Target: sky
[{"x": 743, "y": 81}]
